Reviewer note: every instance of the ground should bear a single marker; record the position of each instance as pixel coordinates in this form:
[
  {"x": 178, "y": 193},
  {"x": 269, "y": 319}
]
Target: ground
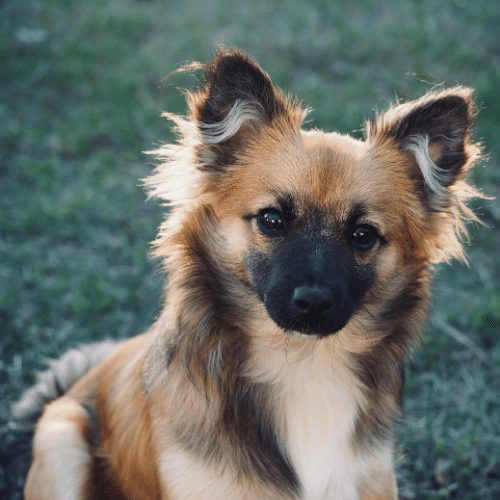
[{"x": 82, "y": 88}]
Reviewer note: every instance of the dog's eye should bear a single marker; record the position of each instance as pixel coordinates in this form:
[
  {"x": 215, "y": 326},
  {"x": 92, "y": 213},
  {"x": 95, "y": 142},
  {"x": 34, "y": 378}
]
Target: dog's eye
[
  {"x": 270, "y": 221},
  {"x": 364, "y": 237}
]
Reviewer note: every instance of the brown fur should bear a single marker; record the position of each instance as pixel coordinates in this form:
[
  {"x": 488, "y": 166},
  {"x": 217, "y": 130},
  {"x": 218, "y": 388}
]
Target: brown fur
[{"x": 194, "y": 387}]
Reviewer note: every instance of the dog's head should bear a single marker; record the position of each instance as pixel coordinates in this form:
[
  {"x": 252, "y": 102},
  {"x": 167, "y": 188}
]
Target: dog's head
[{"x": 320, "y": 225}]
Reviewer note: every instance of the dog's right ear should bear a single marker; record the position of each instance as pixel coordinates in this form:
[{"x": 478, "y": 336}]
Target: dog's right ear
[
  {"x": 237, "y": 99},
  {"x": 436, "y": 131}
]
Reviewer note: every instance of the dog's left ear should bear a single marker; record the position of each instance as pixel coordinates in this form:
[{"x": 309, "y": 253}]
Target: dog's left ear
[
  {"x": 237, "y": 100},
  {"x": 435, "y": 132}
]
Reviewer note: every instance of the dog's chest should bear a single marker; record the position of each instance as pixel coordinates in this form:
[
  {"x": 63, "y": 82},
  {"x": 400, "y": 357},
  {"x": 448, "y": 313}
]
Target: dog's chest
[
  {"x": 318, "y": 412},
  {"x": 317, "y": 401}
]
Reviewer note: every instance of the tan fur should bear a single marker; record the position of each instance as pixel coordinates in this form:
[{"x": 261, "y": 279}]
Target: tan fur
[
  {"x": 62, "y": 458},
  {"x": 217, "y": 401},
  {"x": 386, "y": 488}
]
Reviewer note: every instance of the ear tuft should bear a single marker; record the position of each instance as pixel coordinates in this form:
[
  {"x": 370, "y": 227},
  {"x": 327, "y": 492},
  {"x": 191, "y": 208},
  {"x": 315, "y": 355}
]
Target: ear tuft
[
  {"x": 436, "y": 129},
  {"x": 434, "y": 135},
  {"x": 234, "y": 80},
  {"x": 237, "y": 99}
]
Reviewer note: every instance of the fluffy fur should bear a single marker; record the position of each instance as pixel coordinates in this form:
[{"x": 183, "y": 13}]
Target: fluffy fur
[{"x": 298, "y": 278}]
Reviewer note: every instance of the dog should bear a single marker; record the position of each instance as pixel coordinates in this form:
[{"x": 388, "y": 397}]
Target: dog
[{"x": 299, "y": 265}]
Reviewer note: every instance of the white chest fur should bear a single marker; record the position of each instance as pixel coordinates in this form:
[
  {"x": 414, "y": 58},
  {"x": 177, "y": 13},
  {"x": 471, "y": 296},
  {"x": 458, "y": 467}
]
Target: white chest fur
[
  {"x": 317, "y": 401},
  {"x": 318, "y": 411}
]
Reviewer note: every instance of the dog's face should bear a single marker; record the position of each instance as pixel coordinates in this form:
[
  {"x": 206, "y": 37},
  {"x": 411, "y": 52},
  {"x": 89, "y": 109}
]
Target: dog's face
[
  {"x": 308, "y": 231},
  {"x": 321, "y": 226}
]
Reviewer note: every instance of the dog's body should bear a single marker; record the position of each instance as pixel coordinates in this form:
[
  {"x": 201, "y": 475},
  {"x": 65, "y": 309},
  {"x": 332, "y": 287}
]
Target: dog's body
[{"x": 298, "y": 270}]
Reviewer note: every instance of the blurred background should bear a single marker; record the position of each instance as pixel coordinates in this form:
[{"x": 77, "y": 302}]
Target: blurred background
[{"x": 81, "y": 92}]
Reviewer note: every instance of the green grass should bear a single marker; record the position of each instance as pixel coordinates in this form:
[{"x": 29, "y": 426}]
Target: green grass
[{"x": 80, "y": 98}]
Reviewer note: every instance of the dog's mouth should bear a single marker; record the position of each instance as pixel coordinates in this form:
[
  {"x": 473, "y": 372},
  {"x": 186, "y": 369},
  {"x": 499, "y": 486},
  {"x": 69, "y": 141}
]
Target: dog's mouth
[
  {"x": 311, "y": 325},
  {"x": 318, "y": 320}
]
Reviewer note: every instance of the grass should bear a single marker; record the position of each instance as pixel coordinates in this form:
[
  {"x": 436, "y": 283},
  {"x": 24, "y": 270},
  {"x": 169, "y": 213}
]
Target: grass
[{"x": 80, "y": 98}]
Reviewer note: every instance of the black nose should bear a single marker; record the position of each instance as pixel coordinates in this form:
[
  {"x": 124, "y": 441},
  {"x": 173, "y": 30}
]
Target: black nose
[{"x": 312, "y": 299}]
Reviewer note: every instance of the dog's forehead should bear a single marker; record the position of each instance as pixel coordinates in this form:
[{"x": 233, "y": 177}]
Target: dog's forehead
[
  {"x": 323, "y": 169},
  {"x": 335, "y": 143},
  {"x": 332, "y": 168},
  {"x": 327, "y": 171}
]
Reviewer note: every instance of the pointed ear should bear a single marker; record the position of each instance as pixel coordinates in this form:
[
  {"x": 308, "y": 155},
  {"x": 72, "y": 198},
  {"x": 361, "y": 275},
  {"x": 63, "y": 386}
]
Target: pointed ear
[
  {"x": 436, "y": 131},
  {"x": 237, "y": 98}
]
